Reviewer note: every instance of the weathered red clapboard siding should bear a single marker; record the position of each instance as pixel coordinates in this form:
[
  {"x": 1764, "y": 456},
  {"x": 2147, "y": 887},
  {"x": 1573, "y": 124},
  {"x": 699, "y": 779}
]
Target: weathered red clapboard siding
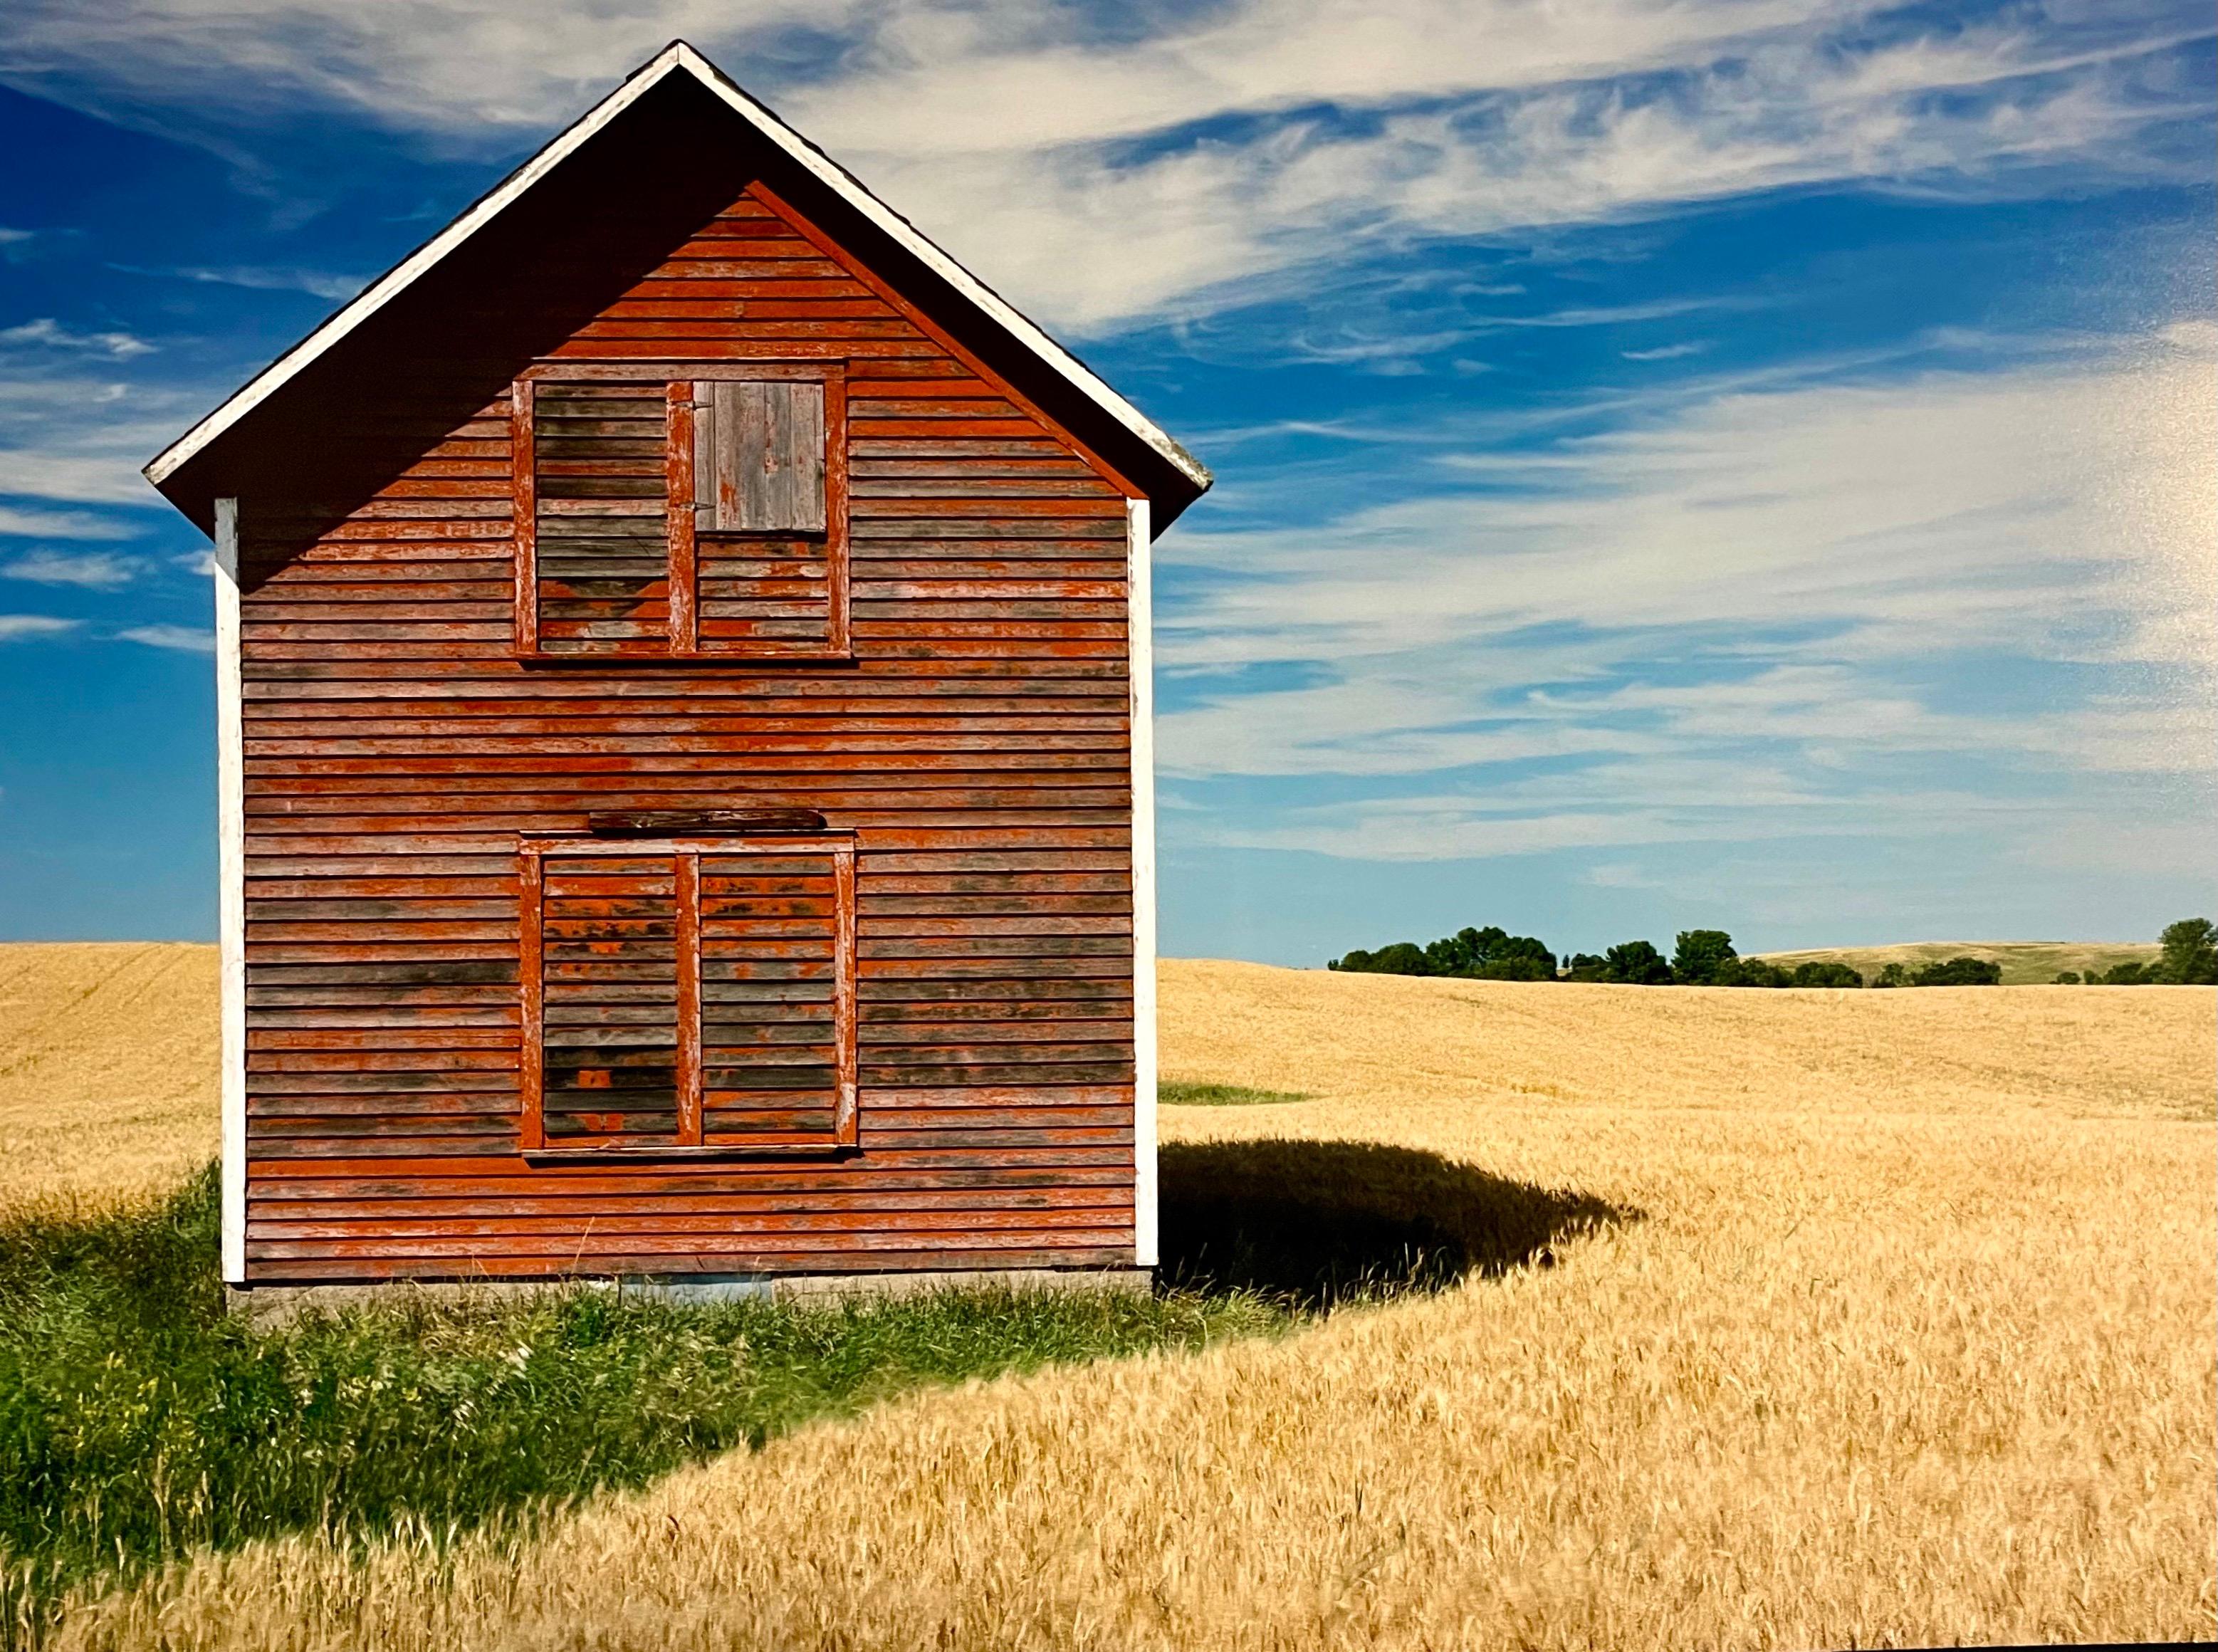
[{"x": 979, "y": 747}]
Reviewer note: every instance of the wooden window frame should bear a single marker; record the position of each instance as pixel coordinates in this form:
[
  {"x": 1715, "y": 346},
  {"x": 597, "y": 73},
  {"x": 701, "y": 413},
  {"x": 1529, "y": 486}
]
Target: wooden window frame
[
  {"x": 684, "y": 854},
  {"x": 681, "y": 571}
]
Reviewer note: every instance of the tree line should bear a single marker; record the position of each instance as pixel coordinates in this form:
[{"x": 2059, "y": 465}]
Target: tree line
[
  {"x": 2187, "y": 956},
  {"x": 1705, "y": 957}
]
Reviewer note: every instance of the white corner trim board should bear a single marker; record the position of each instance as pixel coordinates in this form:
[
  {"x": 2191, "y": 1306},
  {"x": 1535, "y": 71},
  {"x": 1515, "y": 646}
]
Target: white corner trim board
[
  {"x": 1140, "y": 626},
  {"x": 677, "y": 57},
  {"x": 231, "y": 885}
]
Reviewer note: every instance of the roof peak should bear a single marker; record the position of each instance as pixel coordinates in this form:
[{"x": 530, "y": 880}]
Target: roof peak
[{"x": 680, "y": 54}]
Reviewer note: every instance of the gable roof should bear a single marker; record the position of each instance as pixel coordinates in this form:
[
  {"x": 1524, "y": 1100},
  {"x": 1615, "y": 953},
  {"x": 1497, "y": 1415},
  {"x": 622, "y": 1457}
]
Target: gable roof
[{"x": 1122, "y": 426}]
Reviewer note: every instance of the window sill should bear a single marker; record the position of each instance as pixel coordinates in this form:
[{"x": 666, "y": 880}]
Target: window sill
[
  {"x": 720, "y": 659},
  {"x": 716, "y": 1153}
]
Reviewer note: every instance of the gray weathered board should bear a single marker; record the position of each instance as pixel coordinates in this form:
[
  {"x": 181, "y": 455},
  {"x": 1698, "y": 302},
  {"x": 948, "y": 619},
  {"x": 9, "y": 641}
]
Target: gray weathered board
[{"x": 759, "y": 456}]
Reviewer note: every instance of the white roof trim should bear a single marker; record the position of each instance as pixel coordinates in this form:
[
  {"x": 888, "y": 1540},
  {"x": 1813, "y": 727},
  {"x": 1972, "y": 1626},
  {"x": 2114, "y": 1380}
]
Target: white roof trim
[{"x": 676, "y": 56}]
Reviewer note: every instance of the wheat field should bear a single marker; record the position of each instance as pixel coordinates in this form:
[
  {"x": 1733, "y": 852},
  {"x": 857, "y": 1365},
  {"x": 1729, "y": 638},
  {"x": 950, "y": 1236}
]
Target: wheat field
[
  {"x": 1910, "y": 1336},
  {"x": 107, "y": 1068}
]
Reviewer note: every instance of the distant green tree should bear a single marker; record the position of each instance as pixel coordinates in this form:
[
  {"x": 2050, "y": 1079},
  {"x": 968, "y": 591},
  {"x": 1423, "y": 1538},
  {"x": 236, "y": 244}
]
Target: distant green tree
[
  {"x": 1360, "y": 962},
  {"x": 1960, "y": 971},
  {"x": 1637, "y": 963},
  {"x": 1825, "y": 972},
  {"x": 1585, "y": 966},
  {"x": 2190, "y": 953},
  {"x": 1699, "y": 955},
  {"x": 1466, "y": 950},
  {"x": 1750, "y": 972},
  {"x": 2133, "y": 973},
  {"x": 1448, "y": 956},
  {"x": 1517, "y": 957},
  {"x": 2067, "y": 978},
  {"x": 1488, "y": 954},
  {"x": 1892, "y": 974},
  {"x": 1491, "y": 954},
  {"x": 1402, "y": 958}
]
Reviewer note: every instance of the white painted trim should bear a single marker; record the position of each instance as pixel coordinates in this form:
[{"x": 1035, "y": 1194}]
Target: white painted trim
[
  {"x": 230, "y": 887},
  {"x": 1140, "y": 595},
  {"x": 676, "y": 56}
]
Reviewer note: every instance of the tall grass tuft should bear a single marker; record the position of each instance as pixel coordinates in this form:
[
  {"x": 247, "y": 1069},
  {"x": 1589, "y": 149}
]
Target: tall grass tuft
[
  {"x": 138, "y": 1421},
  {"x": 1180, "y": 1092}
]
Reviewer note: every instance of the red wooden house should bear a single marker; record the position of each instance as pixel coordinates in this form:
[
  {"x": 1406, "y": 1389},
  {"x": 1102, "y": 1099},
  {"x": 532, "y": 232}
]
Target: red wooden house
[{"x": 683, "y": 652}]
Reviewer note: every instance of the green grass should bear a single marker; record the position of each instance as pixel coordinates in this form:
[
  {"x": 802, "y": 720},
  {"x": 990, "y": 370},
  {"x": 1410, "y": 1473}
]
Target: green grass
[
  {"x": 1176, "y": 1092},
  {"x": 137, "y": 1422}
]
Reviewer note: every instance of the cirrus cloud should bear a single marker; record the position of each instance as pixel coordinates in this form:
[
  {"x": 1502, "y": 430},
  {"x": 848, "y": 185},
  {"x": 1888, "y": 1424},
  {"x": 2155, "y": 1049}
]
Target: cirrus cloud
[
  {"x": 92, "y": 570},
  {"x": 185, "y": 639},
  {"x": 20, "y": 628},
  {"x": 1099, "y": 176}
]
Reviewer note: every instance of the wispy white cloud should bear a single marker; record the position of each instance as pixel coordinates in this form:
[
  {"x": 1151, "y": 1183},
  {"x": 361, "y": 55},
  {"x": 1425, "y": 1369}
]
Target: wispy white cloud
[
  {"x": 1611, "y": 315},
  {"x": 457, "y": 66},
  {"x": 1666, "y": 352},
  {"x": 1937, "y": 500},
  {"x": 51, "y": 334},
  {"x": 16, "y": 522},
  {"x": 19, "y": 628},
  {"x": 1098, "y": 179},
  {"x": 73, "y": 432},
  {"x": 1620, "y": 111},
  {"x": 1002, "y": 79},
  {"x": 1687, "y": 797},
  {"x": 277, "y": 279},
  {"x": 1378, "y": 339},
  {"x": 1757, "y": 616},
  {"x": 97, "y": 466},
  {"x": 93, "y": 570},
  {"x": 184, "y": 638}
]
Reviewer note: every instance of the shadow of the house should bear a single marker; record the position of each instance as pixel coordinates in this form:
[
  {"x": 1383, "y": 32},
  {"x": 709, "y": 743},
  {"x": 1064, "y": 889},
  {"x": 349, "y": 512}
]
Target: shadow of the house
[{"x": 1314, "y": 1223}]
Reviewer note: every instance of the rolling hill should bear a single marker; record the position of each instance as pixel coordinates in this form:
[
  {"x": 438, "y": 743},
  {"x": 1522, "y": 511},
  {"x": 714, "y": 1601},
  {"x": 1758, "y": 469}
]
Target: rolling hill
[{"x": 2025, "y": 964}]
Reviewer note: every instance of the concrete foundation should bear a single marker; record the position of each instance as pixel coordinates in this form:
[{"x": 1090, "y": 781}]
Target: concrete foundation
[{"x": 266, "y": 1306}]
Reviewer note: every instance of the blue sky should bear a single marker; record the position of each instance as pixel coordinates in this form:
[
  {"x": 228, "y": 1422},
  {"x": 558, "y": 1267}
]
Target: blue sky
[{"x": 1739, "y": 464}]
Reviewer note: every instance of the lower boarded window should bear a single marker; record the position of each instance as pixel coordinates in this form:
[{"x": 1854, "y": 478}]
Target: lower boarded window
[{"x": 691, "y": 994}]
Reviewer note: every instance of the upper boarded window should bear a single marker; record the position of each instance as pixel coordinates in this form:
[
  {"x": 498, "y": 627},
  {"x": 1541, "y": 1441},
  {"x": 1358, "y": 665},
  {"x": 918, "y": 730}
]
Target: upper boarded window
[
  {"x": 759, "y": 456},
  {"x": 691, "y": 994},
  {"x": 693, "y": 519}
]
